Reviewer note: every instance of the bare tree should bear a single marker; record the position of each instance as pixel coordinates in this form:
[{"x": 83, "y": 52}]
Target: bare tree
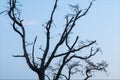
[{"x": 69, "y": 60}]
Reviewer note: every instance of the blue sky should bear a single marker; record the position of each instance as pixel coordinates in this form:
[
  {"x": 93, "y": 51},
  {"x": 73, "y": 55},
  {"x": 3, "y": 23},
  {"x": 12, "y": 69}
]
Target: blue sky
[{"x": 102, "y": 23}]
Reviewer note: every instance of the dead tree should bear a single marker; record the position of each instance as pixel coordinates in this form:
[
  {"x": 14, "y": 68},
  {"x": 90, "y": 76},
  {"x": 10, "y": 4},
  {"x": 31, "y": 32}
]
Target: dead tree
[{"x": 70, "y": 60}]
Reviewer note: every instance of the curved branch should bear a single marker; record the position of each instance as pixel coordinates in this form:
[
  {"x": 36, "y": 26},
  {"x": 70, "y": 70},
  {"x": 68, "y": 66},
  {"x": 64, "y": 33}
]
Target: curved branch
[
  {"x": 15, "y": 29},
  {"x": 16, "y": 20},
  {"x": 64, "y": 76},
  {"x": 47, "y": 77}
]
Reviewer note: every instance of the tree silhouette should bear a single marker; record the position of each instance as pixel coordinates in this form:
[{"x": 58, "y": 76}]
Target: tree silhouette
[{"x": 69, "y": 60}]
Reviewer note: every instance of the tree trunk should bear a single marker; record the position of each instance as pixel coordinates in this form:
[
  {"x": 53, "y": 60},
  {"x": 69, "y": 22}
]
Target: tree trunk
[{"x": 41, "y": 76}]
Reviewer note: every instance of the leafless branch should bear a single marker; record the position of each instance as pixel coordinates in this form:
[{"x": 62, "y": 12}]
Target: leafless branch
[
  {"x": 72, "y": 66},
  {"x": 84, "y": 46},
  {"x": 75, "y": 50},
  {"x": 48, "y": 26},
  {"x": 94, "y": 67},
  {"x": 64, "y": 76},
  {"x": 83, "y": 58},
  {"x": 3, "y": 12},
  {"x": 86, "y": 10},
  {"x": 16, "y": 30},
  {"x": 18, "y": 56},
  {"x": 47, "y": 76},
  {"x": 33, "y": 51},
  {"x": 42, "y": 49},
  {"x": 12, "y": 12}
]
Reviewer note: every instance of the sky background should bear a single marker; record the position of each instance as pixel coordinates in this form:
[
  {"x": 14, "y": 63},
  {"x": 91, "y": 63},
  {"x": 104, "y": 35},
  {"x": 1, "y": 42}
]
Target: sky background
[{"x": 102, "y": 23}]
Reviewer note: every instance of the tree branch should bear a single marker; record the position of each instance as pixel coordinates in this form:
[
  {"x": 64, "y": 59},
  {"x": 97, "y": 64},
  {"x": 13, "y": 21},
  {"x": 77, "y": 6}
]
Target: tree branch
[
  {"x": 47, "y": 77},
  {"x": 18, "y": 56},
  {"x": 88, "y": 75},
  {"x": 51, "y": 17},
  {"x": 64, "y": 76},
  {"x": 3, "y": 12},
  {"x": 94, "y": 67},
  {"x": 86, "y": 10},
  {"x": 48, "y": 26},
  {"x": 33, "y": 51},
  {"x": 16, "y": 20},
  {"x": 66, "y": 42},
  {"x": 83, "y": 58},
  {"x": 15, "y": 29},
  {"x": 75, "y": 42},
  {"x": 84, "y": 46},
  {"x": 75, "y": 50}
]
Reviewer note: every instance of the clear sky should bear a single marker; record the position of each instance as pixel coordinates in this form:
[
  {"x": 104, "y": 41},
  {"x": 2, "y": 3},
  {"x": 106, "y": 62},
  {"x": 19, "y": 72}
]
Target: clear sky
[{"x": 102, "y": 23}]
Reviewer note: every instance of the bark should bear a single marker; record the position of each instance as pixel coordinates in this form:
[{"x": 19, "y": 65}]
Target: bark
[{"x": 41, "y": 76}]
